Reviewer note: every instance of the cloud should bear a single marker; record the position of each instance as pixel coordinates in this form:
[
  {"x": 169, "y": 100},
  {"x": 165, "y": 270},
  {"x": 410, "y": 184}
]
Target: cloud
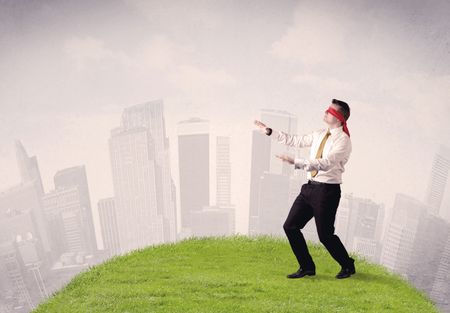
[
  {"x": 159, "y": 57},
  {"x": 370, "y": 38},
  {"x": 179, "y": 14},
  {"x": 320, "y": 34},
  {"x": 424, "y": 98},
  {"x": 86, "y": 49},
  {"x": 163, "y": 54},
  {"x": 330, "y": 84},
  {"x": 195, "y": 80}
]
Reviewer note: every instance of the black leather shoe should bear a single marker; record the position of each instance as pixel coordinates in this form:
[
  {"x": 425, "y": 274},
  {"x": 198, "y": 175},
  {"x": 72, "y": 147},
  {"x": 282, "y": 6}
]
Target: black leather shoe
[
  {"x": 347, "y": 271},
  {"x": 300, "y": 273}
]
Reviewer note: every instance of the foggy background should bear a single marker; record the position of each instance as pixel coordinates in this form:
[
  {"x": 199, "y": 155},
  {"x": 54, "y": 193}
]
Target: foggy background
[{"x": 71, "y": 69}]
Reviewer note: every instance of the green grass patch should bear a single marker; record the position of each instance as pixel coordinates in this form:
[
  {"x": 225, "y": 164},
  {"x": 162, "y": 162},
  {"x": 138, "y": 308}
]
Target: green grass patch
[{"x": 232, "y": 274}]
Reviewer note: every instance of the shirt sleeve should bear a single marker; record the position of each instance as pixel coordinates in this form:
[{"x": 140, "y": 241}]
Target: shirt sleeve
[
  {"x": 299, "y": 163},
  {"x": 340, "y": 151},
  {"x": 298, "y": 141}
]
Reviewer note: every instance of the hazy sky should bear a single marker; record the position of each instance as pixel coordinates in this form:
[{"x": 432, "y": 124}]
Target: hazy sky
[{"x": 68, "y": 68}]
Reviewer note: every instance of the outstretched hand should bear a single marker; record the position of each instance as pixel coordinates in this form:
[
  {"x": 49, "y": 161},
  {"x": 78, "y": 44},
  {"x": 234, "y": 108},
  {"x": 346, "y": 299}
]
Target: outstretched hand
[
  {"x": 262, "y": 127},
  {"x": 285, "y": 158}
]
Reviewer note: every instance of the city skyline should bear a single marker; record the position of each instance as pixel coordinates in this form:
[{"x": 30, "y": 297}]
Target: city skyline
[
  {"x": 103, "y": 103},
  {"x": 134, "y": 149},
  {"x": 241, "y": 224},
  {"x": 225, "y": 70}
]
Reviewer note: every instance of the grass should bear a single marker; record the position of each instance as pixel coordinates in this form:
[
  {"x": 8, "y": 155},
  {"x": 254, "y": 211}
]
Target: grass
[{"x": 232, "y": 274}]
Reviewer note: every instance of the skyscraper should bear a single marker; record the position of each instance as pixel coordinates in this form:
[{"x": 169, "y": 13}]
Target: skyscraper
[
  {"x": 76, "y": 177},
  {"x": 30, "y": 191},
  {"x": 223, "y": 181},
  {"x": 429, "y": 243},
  {"x": 438, "y": 180},
  {"x": 143, "y": 187},
  {"x": 400, "y": 233},
  {"x": 150, "y": 115},
  {"x": 264, "y": 162},
  {"x": 64, "y": 212},
  {"x": 223, "y": 171},
  {"x": 273, "y": 206},
  {"x": 440, "y": 292},
  {"x": 28, "y": 167},
  {"x": 260, "y": 162},
  {"x": 193, "y": 159},
  {"x": 364, "y": 226},
  {"x": 16, "y": 281},
  {"x": 287, "y": 122},
  {"x": 108, "y": 223}
]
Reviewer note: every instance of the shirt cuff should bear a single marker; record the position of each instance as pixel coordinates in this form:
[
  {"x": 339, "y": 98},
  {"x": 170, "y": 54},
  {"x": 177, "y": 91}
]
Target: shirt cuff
[{"x": 299, "y": 163}]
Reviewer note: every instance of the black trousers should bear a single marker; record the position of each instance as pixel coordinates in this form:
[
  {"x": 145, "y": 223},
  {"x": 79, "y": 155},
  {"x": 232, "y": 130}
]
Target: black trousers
[{"x": 321, "y": 202}]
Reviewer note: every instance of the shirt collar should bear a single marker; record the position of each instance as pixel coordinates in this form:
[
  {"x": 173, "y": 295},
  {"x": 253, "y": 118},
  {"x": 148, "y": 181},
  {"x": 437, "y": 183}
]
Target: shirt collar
[{"x": 336, "y": 130}]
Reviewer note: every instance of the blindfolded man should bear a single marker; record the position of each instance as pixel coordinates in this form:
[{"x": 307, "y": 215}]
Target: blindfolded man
[{"x": 330, "y": 149}]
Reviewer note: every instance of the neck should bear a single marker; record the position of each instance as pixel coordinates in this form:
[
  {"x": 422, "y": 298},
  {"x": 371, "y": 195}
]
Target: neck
[{"x": 334, "y": 126}]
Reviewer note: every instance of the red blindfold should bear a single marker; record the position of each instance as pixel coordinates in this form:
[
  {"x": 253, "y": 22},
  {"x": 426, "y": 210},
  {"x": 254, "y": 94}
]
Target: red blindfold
[{"x": 340, "y": 117}]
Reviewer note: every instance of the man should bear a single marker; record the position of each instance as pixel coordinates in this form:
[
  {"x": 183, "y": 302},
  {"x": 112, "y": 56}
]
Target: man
[{"x": 319, "y": 197}]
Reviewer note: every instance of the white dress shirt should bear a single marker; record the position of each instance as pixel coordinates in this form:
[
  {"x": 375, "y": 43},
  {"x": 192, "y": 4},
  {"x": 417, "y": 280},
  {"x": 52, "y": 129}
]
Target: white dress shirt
[{"x": 335, "y": 155}]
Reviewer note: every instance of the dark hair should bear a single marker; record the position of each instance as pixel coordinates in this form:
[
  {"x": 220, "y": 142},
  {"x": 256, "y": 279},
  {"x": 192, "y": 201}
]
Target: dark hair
[{"x": 343, "y": 108}]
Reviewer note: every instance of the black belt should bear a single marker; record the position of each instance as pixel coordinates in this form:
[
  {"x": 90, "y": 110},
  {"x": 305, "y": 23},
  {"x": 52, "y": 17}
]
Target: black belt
[{"x": 313, "y": 182}]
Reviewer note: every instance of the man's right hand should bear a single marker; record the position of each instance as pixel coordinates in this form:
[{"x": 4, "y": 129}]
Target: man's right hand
[{"x": 261, "y": 125}]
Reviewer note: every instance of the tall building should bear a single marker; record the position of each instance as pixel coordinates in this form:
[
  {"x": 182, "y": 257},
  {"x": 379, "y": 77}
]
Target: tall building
[
  {"x": 150, "y": 115},
  {"x": 287, "y": 122},
  {"x": 438, "y": 180},
  {"x": 21, "y": 212},
  {"x": 108, "y": 224},
  {"x": 25, "y": 245},
  {"x": 364, "y": 227},
  {"x": 440, "y": 292},
  {"x": 193, "y": 160},
  {"x": 400, "y": 233},
  {"x": 29, "y": 192},
  {"x": 24, "y": 257},
  {"x": 263, "y": 159},
  {"x": 223, "y": 181},
  {"x": 219, "y": 219},
  {"x": 66, "y": 218},
  {"x": 223, "y": 171},
  {"x": 273, "y": 206},
  {"x": 76, "y": 177},
  {"x": 143, "y": 186},
  {"x": 28, "y": 248},
  {"x": 429, "y": 243},
  {"x": 260, "y": 161},
  {"x": 16, "y": 292},
  {"x": 28, "y": 167}
]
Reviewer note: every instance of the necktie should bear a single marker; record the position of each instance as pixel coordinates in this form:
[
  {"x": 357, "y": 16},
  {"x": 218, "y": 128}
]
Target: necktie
[{"x": 319, "y": 152}]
